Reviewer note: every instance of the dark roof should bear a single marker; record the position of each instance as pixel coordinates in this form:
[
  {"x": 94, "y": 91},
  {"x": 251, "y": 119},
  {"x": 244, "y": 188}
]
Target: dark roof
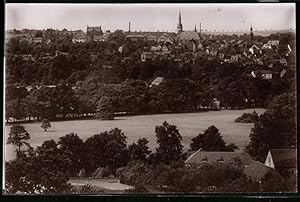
[
  {"x": 284, "y": 158},
  {"x": 257, "y": 171},
  {"x": 189, "y": 35},
  {"x": 214, "y": 156}
]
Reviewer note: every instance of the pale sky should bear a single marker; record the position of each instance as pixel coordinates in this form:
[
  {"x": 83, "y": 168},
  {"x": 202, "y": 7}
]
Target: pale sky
[{"x": 151, "y": 17}]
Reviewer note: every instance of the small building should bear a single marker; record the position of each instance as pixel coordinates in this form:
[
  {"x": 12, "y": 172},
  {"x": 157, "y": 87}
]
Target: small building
[
  {"x": 235, "y": 58},
  {"x": 135, "y": 37},
  {"x": 283, "y": 61},
  {"x": 157, "y": 81},
  {"x": 213, "y": 53},
  {"x": 282, "y": 160},
  {"x": 221, "y": 56},
  {"x": 146, "y": 56},
  {"x": 79, "y": 37},
  {"x": 273, "y": 42},
  {"x": 211, "y": 157},
  {"x": 37, "y": 40},
  {"x": 266, "y": 74}
]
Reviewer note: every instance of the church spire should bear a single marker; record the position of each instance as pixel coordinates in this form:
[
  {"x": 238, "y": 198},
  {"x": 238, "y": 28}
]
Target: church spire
[
  {"x": 179, "y": 26},
  {"x": 195, "y": 29},
  {"x": 251, "y": 33}
]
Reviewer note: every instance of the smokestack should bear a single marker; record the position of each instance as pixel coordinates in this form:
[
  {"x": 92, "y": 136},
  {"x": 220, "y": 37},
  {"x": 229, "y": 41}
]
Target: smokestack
[{"x": 129, "y": 28}]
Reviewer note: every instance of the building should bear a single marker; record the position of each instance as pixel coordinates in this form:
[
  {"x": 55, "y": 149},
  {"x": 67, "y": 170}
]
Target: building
[
  {"x": 146, "y": 56},
  {"x": 135, "y": 37},
  {"x": 91, "y": 32},
  {"x": 179, "y": 26},
  {"x": 211, "y": 157},
  {"x": 157, "y": 81},
  {"x": 79, "y": 37},
  {"x": 37, "y": 40},
  {"x": 235, "y": 58},
  {"x": 282, "y": 160}
]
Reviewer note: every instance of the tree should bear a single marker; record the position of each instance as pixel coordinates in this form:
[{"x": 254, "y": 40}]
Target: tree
[
  {"x": 139, "y": 150},
  {"x": 73, "y": 147},
  {"x": 42, "y": 170},
  {"x": 18, "y": 136},
  {"x": 211, "y": 140},
  {"x": 104, "y": 109},
  {"x": 45, "y": 124},
  {"x": 275, "y": 129},
  {"x": 169, "y": 141},
  {"x": 106, "y": 149}
]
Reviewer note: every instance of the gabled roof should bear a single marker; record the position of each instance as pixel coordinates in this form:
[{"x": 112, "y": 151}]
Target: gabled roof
[
  {"x": 189, "y": 35},
  {"x": 215, "y": 156},
  {"x": 157, "y": 81},
  {"x": 257, "y": 171},
  {"x": 284, "y": 158}
]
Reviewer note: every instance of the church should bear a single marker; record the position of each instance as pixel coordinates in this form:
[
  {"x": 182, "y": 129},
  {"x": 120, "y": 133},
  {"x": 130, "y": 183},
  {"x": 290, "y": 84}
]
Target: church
[{"x": 187, "y": 39}]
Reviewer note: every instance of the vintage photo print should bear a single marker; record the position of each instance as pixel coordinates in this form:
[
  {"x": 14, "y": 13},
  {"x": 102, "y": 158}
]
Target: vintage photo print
[{"x": 149, "y": 98}]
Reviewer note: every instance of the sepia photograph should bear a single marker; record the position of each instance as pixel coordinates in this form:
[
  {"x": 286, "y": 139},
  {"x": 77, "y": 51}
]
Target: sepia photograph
[{"x": 149, "y": 99}]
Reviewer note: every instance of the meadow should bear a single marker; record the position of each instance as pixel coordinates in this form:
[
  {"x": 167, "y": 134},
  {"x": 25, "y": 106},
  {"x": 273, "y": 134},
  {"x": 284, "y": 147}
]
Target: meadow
[{"x": 189, "y": 125}]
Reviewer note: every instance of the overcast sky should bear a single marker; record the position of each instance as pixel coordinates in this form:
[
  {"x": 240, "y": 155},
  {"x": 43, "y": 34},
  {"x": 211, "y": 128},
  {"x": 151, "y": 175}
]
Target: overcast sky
[{"x": 147, "y": 17}]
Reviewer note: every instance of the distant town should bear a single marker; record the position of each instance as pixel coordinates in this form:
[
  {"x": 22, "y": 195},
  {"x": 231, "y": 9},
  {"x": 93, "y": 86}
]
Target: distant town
[{"x": 88, "y": 80}]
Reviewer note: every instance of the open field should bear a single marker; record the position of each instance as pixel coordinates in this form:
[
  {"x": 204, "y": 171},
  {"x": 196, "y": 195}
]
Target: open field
[{"x": 189, "y": 125}]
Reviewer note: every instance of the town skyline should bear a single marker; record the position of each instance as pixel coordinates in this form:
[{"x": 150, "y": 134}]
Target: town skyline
[{"x": 216, "y": 17}]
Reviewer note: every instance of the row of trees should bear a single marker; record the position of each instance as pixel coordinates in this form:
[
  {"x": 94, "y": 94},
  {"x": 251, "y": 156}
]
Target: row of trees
[{"x": 71, "y": 156}]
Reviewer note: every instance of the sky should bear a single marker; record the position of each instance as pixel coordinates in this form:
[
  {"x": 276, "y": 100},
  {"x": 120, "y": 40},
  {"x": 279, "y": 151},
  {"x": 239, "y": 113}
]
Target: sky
[{"x": 151, "y": 17}]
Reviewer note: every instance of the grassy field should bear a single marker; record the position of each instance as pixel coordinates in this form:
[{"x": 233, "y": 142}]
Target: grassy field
[{"x": 189, "y": 125}]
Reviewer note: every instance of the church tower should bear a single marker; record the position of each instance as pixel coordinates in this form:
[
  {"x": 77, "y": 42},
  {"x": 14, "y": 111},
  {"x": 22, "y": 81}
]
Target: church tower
[
  {"x": 179, "y": 26},
  {"x": 251, "y": 34}
]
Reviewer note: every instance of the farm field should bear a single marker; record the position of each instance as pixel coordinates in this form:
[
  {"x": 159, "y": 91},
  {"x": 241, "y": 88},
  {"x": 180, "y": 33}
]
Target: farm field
[{"x": 189, "y": 125}]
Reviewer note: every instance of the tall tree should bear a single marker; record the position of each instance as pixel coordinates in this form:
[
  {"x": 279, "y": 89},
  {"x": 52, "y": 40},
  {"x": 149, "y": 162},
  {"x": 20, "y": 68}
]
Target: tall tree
[
  {"x": 104, "y": 109},
  {"x": 18, "y": 136},
  {"x": 169, "y": 141},
  {"x": 139, "y": 150},
  {"x": 211, "y": 140}
]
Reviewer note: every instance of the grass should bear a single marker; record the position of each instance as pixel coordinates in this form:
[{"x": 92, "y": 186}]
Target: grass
[{"x": 189, "y": 125}]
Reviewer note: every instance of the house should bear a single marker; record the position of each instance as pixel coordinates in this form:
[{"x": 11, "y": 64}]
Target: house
[
  {"x": 266, "y": 74},
  {"x": 135, "y": 37},
  {"x": 283, "y": 61},
  {"x": 157, "y": 81},
  {"x": 211, "y": 157},
  {"x": 259, "y": 172},
  {"x": 150, "y": 37},
  {"x": 98, "y": 38},
  {"x": 273, "y": 42},
  {"x": 282, "y": 160},
  {"x": 123, "y": 49},
  {"x": 221, "y": 56},
  {"x": 254, "y": 49},
  {"x": 164, "y": 38},
  {"x": 37, "y": 40},
  {"x": 213, "y": 53},
  {"x": 146, "y": 56},
  {"x": 235, "y": 58},
  {"x": 282, "y": 73},
  {"x": 79, "y": 37}
]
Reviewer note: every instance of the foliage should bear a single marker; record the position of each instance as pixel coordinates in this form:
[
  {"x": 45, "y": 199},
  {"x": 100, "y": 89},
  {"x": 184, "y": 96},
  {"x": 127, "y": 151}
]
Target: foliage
[
  {"x": 211, "y": 140},
  {"x": 169, "y": 141},
  {"x": 104, "y": 109},
  {"x": 106, "y": 149},
  {"x": 45, "y": 124},
  {"x": 73, "y": 147},
  {"x": 139, "y": 150},
  {"x": 40, "y": 171},
  {"x": 18, "y": 136},
  {"x": 275, "y": 129},
  {"x": 247, "y": 118}
]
